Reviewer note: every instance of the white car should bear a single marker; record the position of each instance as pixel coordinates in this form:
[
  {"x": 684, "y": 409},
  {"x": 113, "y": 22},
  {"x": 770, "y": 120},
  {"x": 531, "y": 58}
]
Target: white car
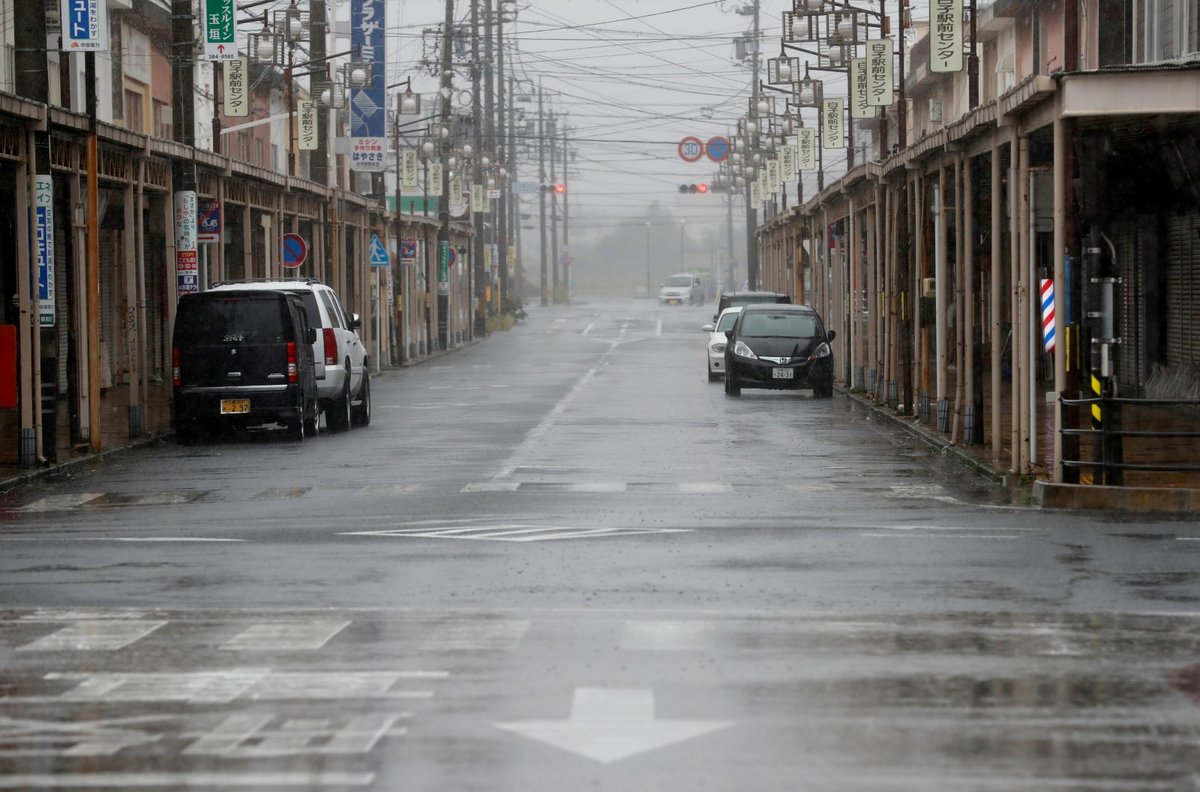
[
  {"x": 682, "y": 288},
  {"x": 342, "y": 364},
  {"x": 717, "y": 340}
]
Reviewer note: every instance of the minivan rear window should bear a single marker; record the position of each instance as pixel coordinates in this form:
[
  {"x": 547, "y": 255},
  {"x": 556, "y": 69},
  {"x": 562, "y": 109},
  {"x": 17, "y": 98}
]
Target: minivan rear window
[{"x": 232, "y": 319}]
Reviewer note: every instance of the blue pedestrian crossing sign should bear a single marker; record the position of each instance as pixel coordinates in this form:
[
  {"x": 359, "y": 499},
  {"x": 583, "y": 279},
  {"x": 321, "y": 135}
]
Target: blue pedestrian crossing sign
[{"x": 379, "y": 254}]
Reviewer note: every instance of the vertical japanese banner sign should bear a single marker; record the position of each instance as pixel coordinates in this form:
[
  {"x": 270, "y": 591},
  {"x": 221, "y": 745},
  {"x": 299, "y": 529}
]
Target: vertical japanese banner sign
[
  {"x": 879, "y": 72},
  {"x": 477, "y": 198},
  {"x": 774, "y": 179},
  {"x": 235, "y": 100},
  {"x": 367, "y": 116},
  {"x": 408, "y": 169},
  {"x": 220, "y": 30},
  {"x": 755, "y": 194},
  {"x": 858, "y": 90},
  {"x": 443, "y": 271},
  {"x": 84, "y": 25},
  {"x": 187, "y": 267},
  {"x": 433, "y": 187},
  {"x": 806, "y": 140},
  {"x": 833, "y": 124},
  {"x": 43, "y": 203},
  {"x": 306, "y": 124},
  {"x": 946, "y": 36},
  {"x": 787, "y": 163}
]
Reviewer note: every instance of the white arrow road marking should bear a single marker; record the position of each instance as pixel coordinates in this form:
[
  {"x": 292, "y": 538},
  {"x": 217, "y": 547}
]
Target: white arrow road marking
[{"x": 611, "y": 724}]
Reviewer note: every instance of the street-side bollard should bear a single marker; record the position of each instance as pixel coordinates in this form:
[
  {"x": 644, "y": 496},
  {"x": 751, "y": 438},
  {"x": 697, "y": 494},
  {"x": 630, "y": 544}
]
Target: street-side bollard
[
  {"x": 923, "y": 406},
  {"x": 943, "y": 415}
]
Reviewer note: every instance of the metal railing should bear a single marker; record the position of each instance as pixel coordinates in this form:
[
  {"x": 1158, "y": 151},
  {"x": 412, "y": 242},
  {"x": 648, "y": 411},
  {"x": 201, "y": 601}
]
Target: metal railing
[{"x": 1108, "y": 434}]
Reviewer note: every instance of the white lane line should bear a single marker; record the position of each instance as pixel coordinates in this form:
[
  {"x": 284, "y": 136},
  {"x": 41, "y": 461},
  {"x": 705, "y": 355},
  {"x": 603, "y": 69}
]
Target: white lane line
[
  {"x": 667, "y": 636},
  {"x": 915, "y": 535},
  {"x": 158, "y": 539},
  {"x": 176, "y": 780},
  {"x": 492, "y": 486},
  {"x": 598, "y": 486},
  {"x": 588, "y": 329},
  {"x": 476, "y": 636},
  {"x": 386, "y": 489},
  {"x": 281, "y": 636},
  {"x": 93, "y": 636}
]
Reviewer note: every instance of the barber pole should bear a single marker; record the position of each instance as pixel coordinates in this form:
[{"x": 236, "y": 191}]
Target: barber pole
[{"x": 1048, "y": 314}]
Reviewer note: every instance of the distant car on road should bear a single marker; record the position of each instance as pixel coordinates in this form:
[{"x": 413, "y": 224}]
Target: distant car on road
[
  {"x": 716, "y": 342},
  {"x": 681, "y": 288},
  {"x": 781, "y": 347}
]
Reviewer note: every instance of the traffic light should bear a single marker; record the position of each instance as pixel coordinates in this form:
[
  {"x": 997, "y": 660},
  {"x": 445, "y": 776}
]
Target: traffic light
[
  {"x": 700, "y": 187},
  {"x": 558, "y": 188}
]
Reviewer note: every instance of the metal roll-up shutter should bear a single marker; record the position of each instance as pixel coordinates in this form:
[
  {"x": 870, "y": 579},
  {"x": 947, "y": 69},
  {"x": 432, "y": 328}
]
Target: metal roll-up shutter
[
  {"x": 1131, "y": 308},
  {"x": 1183, "y": 290}
]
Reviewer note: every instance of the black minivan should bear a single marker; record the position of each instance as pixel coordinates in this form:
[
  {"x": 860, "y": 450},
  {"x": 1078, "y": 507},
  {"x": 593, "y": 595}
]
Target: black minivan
[{"x": 240, "y": 359}]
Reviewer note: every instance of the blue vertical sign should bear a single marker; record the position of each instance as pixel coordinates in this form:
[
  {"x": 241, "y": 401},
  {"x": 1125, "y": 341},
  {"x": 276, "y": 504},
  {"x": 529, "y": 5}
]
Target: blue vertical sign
[
  {"x": 43, "y": 203},
  {"x": 367, "y": 104},
  {"x": 84, "y": 25}
]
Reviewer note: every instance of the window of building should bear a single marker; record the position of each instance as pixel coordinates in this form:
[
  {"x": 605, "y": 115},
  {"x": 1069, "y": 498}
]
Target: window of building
[
  {"x": 163, "y": 115},
  {"x": 243, "y": 147},
  {"x": 259, "y": 154},
  {"x": 1167, "y": 30},
  {"x": 135, "y": 119}
]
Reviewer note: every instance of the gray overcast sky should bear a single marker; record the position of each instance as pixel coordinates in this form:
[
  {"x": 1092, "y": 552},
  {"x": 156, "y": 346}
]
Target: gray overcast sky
[{"x": 633, "y": 78}]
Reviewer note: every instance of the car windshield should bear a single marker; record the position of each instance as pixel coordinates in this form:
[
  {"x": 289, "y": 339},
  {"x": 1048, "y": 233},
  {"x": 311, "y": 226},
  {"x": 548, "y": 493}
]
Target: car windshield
[
  {"x": 780, "y": 325},
  {"x": 679, "y": 280},
  {"x": 726, "y": 321}
]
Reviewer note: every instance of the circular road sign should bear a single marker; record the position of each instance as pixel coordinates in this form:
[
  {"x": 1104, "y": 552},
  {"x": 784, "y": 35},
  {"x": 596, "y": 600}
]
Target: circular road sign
[
  {"x": 295, "y": 250},
  {"x": 691, "y": 149},
  {"x": 717, "y": 148}
]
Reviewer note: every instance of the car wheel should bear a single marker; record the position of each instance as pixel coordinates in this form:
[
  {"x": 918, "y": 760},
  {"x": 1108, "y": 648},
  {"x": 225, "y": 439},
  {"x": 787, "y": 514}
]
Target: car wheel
[
  {"x": 360, "y": 414},
  {"x": 337, "y": 415},
  {"x": 731, "y": 387},
  {"x": 185, "y": 433}
]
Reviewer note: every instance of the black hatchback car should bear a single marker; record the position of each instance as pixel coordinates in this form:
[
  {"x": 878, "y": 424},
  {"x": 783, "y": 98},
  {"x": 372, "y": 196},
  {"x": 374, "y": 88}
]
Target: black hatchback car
[
  {"x": 242, "y": 358},
  {"x": 782, "y": 347}
]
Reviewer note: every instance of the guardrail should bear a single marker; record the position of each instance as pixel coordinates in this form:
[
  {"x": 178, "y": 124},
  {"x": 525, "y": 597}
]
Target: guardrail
[{"x": 1108, "y": 434}]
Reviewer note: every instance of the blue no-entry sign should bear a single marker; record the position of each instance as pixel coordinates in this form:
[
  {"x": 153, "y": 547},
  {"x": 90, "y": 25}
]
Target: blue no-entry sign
[{"x": 295, "y": 250}]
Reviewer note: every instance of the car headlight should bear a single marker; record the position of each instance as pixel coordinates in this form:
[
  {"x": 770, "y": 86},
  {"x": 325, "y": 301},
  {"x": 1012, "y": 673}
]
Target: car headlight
[
  {"x": 741, "y": 350},
  {"x": 822, "y": 351},
  {"x": 717, "y": 349}
]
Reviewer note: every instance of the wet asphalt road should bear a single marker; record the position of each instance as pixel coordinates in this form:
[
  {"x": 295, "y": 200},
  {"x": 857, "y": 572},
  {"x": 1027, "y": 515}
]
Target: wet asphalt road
[{"x": 561, "y": 559}]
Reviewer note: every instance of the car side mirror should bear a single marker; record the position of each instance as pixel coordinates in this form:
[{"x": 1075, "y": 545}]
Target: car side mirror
[
  {"x": 312, "y": 335},
  {"x": 355, "y": 321},
  {"x": 728, "y": 334},
  {"x": 832, "y": 334},
  {"x": 707, "y": 328}
]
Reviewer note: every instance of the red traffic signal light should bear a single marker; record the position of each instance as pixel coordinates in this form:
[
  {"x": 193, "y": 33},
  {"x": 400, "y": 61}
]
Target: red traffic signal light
[
  {"x": 560, "y": 188},
  {"x": 701, "y": 187}
]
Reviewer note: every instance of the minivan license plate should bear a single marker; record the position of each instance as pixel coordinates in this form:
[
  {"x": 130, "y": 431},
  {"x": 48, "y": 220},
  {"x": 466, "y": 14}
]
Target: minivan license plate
[
  {"x": 783, "y": 373},
  {"x": 234, "y": 406}
]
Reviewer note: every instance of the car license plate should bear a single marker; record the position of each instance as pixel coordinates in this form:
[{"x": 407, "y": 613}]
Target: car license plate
[
  {"x": 235, "y": 406},
  {"x": 783, "y": 373}
]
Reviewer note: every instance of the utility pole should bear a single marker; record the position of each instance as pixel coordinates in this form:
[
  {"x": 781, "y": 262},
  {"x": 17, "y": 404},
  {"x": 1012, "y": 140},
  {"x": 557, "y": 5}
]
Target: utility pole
[
  {"x": 541, "y": 192},
  {"x": 32, "y": 82},
  {"x": 478, "y": 218},
  {"x": 552, "y": 134},
  {"x": 566, "y": 198},
  {"x": 444, "y": 146},
  {"x": 751, "y": 210},
  {"x": 505, "y": 155}
]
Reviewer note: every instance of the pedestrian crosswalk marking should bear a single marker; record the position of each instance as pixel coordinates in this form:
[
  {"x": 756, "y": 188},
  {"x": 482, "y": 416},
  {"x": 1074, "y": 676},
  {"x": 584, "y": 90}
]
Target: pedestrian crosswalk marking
[
  {"x": 104, "y": 635},
  {"x": 513, "y": 532},
  {"x": 285, "y": 636},
  {"x": 60, "y": 502},
  {"x": 475, "y": 635}
]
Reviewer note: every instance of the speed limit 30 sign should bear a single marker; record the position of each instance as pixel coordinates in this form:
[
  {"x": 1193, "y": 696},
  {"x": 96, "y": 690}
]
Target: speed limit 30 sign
[{"x": 691, "y": 149}]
